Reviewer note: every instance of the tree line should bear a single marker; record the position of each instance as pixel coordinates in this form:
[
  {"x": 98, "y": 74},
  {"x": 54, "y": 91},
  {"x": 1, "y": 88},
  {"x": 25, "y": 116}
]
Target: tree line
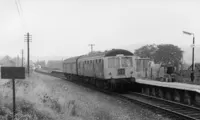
[{"x": 163, "y": 53}]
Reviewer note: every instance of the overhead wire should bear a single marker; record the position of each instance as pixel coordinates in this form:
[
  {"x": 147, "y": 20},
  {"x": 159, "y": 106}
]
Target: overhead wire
[
  {"x": 20, "y": 12},
  {"x": 18, "y": 9},
  {"x": 22, "y": 22}
]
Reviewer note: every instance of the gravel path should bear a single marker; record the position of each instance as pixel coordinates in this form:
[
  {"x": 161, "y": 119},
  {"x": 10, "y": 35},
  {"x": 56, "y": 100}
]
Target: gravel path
[{"x": 43, "y": 97}]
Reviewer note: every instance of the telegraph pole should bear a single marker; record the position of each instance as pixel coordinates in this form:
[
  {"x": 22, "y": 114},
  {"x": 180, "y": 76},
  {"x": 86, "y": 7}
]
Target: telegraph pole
[
  {"x": 28, "y": 39},
  {"x": 22, "y": 57},
  {"x": 91, "y": 45},
  {"x": 17, "y": 60}
]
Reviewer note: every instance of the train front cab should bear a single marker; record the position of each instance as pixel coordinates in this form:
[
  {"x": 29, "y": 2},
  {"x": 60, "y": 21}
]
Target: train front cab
[{"x": 120, "y": 71}]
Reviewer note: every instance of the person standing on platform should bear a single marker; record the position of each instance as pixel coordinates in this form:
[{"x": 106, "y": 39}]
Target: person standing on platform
[{"x": 192, "y": 76}]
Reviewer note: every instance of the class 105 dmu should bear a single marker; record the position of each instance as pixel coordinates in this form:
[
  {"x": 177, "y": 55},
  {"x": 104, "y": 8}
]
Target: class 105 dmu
[{"x": 113, "y": 69}]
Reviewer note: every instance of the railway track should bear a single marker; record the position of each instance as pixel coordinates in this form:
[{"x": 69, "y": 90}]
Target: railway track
[
  {"x": 167, "y": 108},
  {"x": 173, "y": 109}
]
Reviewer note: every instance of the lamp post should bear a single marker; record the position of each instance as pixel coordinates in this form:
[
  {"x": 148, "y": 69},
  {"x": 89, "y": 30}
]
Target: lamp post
[{"x": 192, "y": 74}]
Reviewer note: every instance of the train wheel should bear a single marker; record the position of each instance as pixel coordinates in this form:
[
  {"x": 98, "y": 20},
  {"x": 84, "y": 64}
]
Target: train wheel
[
  {"x": 106, "y": 85},
  {"x": 113, "y": 85},
  {"x": 99, "y": 84},
  {"x": 102, "y": 84},
  {"x": 69, "y": 77},
  {"x": 90, "y": 81},
  {"x": 94, "y": 81},
  {"x": 122, "y": 88}
]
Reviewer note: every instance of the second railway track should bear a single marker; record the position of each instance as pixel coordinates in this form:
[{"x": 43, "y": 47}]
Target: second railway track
[
  {"x": 180, "y": 111},
  {"x": 168, "y": 108}
]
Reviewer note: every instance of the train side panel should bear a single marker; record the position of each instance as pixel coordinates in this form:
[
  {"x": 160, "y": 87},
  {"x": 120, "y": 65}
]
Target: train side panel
[
  {"x": 73, "y": 68},
  {"x": 70, "y": 66},
  {"x": 91, "y": 67},
  {"x": 99, "y": 68}
]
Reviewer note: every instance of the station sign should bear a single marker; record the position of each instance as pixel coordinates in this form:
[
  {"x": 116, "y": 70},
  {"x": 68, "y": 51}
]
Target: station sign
[{"x": 13, "y": 72}]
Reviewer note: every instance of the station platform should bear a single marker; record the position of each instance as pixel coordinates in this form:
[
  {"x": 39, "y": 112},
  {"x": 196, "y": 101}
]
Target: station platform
[{"x": 173, "y": 85}]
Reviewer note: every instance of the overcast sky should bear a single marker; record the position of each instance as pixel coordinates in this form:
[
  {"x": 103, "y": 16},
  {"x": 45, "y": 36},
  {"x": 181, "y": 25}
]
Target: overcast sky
[{"x": 66, "y": 27}]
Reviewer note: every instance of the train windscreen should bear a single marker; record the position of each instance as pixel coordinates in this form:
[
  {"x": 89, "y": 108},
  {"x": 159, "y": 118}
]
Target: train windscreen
[{"x": 113, "y": 62}]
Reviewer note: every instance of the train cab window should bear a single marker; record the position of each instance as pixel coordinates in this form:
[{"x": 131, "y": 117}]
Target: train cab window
[
  {"x": 126, "y": 62},
  {"x": 99, "y": 60}
]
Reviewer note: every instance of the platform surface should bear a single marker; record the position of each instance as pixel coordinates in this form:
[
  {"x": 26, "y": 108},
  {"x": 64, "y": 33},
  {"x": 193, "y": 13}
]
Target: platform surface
[{"x": 175, "y": 85}]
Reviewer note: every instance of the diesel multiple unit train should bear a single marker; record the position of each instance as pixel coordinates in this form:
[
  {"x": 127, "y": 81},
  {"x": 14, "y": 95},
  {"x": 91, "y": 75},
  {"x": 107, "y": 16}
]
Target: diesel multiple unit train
[
  {"x": 120, "y": 70},
  {"x": 116, "y": 69},
  {"x": 113, "y": 69}
]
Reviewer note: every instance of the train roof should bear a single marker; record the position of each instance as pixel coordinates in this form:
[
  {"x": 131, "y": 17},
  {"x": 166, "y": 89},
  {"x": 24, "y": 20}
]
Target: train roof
[
  {"x": 115, "y": 52},
  {"x": 71, "y": 59},
  {"x": 108, "y": 53}
]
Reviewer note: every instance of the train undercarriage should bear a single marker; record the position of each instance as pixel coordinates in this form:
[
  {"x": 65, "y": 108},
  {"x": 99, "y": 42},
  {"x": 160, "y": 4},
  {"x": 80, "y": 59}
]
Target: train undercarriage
[{"x": 114, "y": 85}]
